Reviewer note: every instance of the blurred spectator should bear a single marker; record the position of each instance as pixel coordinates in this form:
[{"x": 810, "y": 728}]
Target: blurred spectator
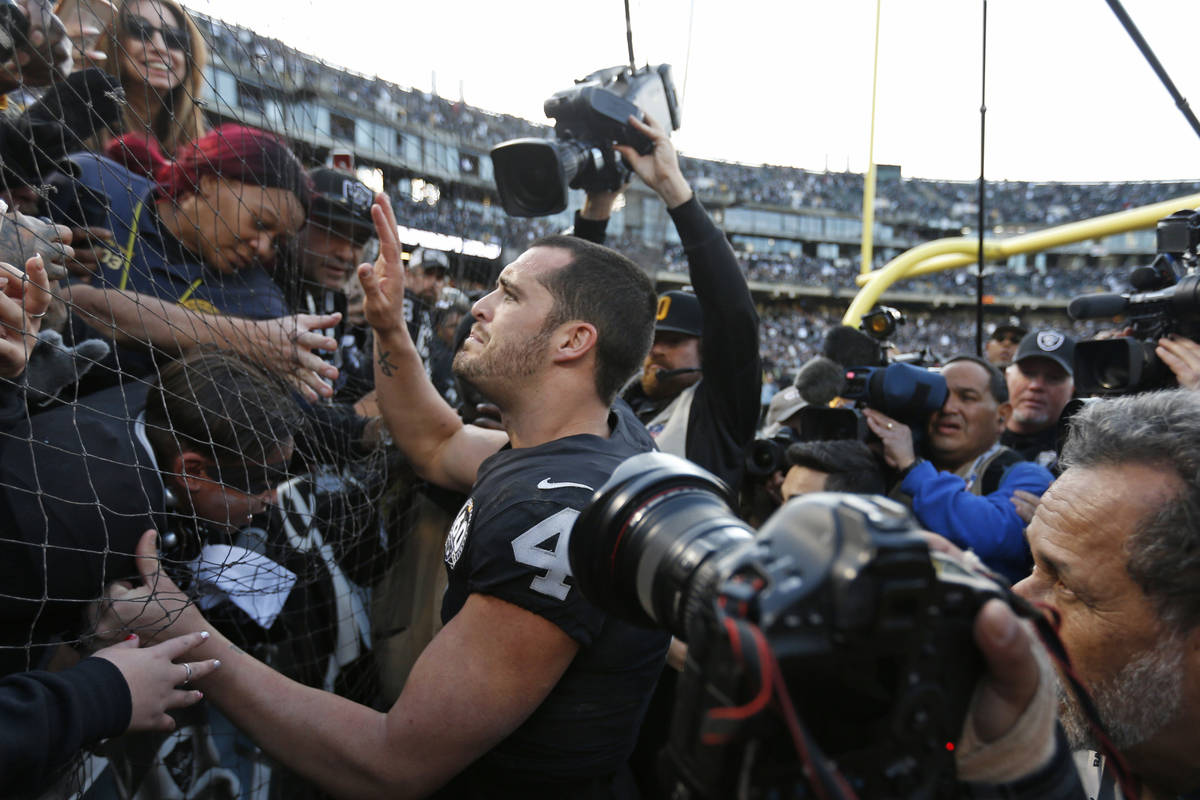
[
  {"x": 158, "y": 54},
  {"x": 1003, "y": 342}
]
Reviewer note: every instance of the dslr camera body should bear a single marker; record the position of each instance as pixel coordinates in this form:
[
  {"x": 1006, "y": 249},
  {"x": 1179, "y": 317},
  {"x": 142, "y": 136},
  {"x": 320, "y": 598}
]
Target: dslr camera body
[
  {"x": 533, "y": 175},
  {"x": 1162, "y": 303},
  {"x": 829, "y": 652}
]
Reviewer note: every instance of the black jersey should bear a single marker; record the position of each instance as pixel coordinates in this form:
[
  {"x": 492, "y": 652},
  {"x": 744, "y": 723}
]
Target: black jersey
[{"x": 510, "y": 541}]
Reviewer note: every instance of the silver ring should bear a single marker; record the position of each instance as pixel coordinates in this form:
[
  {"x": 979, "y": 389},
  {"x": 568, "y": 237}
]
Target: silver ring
[
  {"x": 188, "y": 679},
  {"x": 37, "y": 316}
]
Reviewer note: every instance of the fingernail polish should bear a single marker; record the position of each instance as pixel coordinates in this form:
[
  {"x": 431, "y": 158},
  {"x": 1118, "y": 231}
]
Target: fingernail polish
[
  {"x": 216, "y": 664},
  {"x": 203, "y": 634},
  {"x": 131, "y": 636}
]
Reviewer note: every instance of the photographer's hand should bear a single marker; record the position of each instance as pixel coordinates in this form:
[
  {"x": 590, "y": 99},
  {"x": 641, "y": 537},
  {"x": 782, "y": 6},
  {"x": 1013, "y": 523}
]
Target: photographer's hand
[
  {"x": 1182, "y": 355},
  {"x": 1009, "y": 731},
  {"x": 660, "y": 168},
  {"x": 897, "y": 439}
]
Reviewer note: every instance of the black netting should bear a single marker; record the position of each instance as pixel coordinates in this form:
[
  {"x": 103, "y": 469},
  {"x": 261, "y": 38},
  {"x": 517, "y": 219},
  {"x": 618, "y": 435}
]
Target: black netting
[{"x": 204, "y": 370}]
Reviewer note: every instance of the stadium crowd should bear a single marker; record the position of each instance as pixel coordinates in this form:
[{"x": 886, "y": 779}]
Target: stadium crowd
[{"x": 292, "y": 510}]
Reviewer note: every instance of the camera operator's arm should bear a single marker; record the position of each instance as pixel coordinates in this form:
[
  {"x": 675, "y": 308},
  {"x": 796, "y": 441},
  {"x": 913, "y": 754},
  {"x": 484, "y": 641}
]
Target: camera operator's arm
[
  {"x": 1182, "y": 355},
  {"x": 429, "y": 432},
  {"x": 727, "y": 405},
  {"x": 591, "y": 221}
]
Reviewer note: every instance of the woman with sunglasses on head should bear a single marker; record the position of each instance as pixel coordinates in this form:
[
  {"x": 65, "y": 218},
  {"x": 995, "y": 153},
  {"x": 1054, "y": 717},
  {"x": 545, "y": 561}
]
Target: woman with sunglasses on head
[{"x": 158, "y": 54}]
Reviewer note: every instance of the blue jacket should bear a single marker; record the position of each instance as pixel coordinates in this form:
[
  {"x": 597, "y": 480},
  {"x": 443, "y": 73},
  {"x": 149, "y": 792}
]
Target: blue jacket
[{"x": 988, "y": 524}]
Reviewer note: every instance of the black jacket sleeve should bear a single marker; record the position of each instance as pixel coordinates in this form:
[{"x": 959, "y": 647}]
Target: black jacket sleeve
[
  {"x": 725, "y": 410},
  {"x": 594, "y": 230},
  {"x": 46, "y": 717}
]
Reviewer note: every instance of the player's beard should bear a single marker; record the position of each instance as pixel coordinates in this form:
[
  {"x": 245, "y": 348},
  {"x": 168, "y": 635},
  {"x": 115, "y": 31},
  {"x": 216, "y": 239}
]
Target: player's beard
[
  {"x": 518, "y": 359},
  {"x": 1143, "y": 697}
]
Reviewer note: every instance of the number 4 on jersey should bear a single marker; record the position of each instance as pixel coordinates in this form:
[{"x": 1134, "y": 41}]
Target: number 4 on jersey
[{"x": 528, "y": 550}]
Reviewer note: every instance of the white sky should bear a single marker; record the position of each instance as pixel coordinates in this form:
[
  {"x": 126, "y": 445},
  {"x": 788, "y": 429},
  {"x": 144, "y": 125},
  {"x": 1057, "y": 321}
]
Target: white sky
[{"x": 1069, "y": 96}]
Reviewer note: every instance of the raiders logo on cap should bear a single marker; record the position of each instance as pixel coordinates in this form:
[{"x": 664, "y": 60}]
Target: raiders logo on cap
[{"x": 1049, "y": 340}]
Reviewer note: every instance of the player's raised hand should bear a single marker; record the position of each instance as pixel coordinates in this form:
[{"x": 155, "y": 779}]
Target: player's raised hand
[{"x": 383, "y": 281}]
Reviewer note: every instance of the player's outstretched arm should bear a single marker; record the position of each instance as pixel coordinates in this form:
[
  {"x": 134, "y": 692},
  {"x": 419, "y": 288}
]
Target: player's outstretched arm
[{"x": 484, "y": 673}]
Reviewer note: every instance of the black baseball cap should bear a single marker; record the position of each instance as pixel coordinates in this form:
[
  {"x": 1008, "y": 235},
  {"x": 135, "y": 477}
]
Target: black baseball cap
[
  {"x": 679, "y": 312},
  {"x": 341, "y": 198},
  {"x": 1012, "y": 325},
  {"x": 1056, "y": 346}
]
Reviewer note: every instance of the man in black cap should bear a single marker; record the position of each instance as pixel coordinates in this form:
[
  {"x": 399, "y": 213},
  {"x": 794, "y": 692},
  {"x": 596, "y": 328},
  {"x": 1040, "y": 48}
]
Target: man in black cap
[
  {"x": 1003, "y": 342},
  {"x": 339, "y": 225},
  {"x": 1040, "y": 383},
  {"x": 427, "y": 272},
  {"x": 328, "y": 250}
]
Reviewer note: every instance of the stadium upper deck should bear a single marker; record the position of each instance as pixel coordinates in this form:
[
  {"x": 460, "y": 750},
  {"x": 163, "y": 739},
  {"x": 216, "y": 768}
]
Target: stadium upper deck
[{"x": 796, "y": 228}]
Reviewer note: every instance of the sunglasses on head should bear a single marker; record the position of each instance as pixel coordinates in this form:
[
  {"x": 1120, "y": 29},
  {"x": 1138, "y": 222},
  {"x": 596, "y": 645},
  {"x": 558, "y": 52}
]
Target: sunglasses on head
[{"x": 144, "y": 29}]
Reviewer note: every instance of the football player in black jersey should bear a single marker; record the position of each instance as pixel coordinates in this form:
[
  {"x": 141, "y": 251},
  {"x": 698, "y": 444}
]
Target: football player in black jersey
[{"x": 528, "y": 690}]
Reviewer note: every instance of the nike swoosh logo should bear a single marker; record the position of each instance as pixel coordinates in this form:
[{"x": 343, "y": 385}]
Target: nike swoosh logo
[{"x": 546, "y": 483}]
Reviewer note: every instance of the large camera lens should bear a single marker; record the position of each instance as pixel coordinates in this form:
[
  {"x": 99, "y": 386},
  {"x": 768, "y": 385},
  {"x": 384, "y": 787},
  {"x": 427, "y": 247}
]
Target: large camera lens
[
  {"x": 651, "y": 527},
  {"x": 1117, "y": 366},
  {"x": 532, "y": 174}
]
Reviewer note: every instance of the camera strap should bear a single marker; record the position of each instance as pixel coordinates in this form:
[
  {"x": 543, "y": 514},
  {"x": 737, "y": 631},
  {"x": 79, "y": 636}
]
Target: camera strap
[{"x": 1046, "y": 621}]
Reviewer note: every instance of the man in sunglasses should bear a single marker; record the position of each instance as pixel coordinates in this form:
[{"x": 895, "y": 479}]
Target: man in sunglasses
[
  {"x": 198, "y": 452},
  {"x": 1002, "y": 345}
]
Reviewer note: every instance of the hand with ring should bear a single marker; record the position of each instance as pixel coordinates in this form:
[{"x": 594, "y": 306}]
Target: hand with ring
[
  {"x": 154, "y": 679},
  {"x": 896, "y": 437}
]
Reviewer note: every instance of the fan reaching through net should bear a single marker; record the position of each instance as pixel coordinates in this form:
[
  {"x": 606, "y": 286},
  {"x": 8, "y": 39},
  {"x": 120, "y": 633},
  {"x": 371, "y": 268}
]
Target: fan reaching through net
[{"x": 203, "y": 369}]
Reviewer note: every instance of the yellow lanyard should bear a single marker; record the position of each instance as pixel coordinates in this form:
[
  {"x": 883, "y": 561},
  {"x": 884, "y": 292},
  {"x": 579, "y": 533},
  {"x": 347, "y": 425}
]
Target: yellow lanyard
[
  {"x": 127, "y": 250},
  {"x": 127, "y": 254}
]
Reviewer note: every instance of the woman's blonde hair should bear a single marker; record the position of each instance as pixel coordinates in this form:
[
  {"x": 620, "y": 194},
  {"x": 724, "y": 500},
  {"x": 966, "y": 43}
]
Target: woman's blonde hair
[{"x": 180, "y": 119}]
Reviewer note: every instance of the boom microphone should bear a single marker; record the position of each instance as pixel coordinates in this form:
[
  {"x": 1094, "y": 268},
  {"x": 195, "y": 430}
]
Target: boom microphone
[
  {"x": 820, "y": 380},
  {"x": 1097, "y": 306},
  {"x": 851, "y": 348}
]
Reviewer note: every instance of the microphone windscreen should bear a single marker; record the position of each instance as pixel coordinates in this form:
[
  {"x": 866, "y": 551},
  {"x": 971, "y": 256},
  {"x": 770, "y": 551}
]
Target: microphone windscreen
[
  {"x": 1097, "y": 306},
  {"x": 820, "y": 380},
  {"x": 852, "y": 348}
]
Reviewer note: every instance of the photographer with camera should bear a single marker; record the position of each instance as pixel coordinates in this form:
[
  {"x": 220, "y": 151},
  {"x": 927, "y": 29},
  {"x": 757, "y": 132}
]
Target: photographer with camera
[
  {"x": 700, "y": 385},
  {"x": 1115, "y": 543},
  {"x": 963, "y": 490}
]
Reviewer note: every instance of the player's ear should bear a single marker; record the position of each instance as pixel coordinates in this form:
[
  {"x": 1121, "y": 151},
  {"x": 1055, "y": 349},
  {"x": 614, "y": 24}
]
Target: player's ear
[{"x": 573, "y": 340}]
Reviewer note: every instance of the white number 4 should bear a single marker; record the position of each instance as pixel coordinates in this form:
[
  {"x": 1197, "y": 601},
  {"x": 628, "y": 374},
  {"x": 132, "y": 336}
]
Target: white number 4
[{"x": 527, "y": 550}]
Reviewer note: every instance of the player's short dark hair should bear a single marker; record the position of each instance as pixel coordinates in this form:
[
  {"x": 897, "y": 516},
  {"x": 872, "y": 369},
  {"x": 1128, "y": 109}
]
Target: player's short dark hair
[
  {"x": 997, "y": 385},
  {"x": 608, "y": 290},
  {"x": 850, "y": 465},
  {"x": 220, "y": 406}
]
